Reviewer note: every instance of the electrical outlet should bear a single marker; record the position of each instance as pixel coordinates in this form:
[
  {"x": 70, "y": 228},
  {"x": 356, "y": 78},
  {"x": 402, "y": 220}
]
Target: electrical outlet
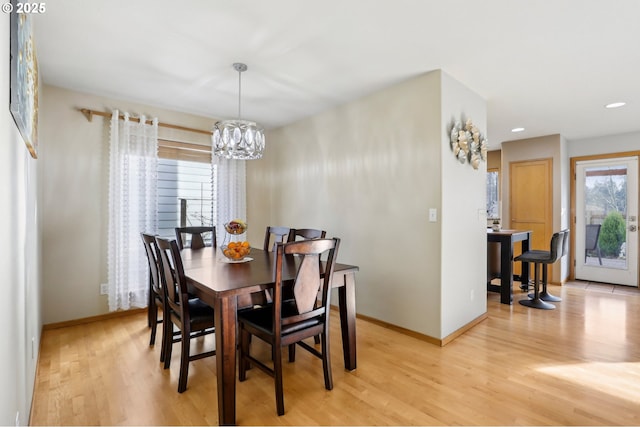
[
  {"x": 104, "y": 289},
  {"x": 472, "y": 294}
]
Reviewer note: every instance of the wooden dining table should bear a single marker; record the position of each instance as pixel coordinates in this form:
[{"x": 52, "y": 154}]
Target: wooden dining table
[{"x": 221, "y": 284}]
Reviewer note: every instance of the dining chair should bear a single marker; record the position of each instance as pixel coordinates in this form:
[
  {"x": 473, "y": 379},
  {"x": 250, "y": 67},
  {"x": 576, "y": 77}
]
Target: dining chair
[
  {"x": 156, "y": 293},
  {"x": 197, "y": 236},
  {"x": 193, "y": 317},
  {"x": 542, "y": 259},
  {"x": 305, "y": 234},
  {"x": 274, "y": 235},
  {"x": 286, "y": 323}
]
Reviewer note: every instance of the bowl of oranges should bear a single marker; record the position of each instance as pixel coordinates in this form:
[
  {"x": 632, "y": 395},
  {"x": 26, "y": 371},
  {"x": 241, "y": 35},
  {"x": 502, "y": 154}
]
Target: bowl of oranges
[{"x": 237, "y": 251}]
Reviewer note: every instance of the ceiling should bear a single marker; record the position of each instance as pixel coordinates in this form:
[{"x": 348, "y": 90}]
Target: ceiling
[{"x": 549, "y": 66}]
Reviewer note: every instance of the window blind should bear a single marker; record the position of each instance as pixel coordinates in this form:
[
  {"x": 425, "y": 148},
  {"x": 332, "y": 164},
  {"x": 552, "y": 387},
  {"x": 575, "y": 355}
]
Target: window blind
[{"x": 185, "y": 190}]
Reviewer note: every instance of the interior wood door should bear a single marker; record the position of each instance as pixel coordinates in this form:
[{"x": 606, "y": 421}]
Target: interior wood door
[{"x": 531, "y": 202}]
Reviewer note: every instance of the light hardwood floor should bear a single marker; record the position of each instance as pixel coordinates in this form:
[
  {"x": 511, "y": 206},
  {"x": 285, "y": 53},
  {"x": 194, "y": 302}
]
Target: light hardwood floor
[{"x": 576, "y": 365}]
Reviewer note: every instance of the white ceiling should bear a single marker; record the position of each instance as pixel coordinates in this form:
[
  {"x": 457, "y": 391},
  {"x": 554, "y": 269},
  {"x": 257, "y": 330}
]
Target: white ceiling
[{"x": 549, "y": 66}]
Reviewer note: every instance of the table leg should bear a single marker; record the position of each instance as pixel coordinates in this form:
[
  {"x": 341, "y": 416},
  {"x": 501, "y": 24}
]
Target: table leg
[
  {"x": 347, "y": 304},
  {"x": 524, "y": 271},
  {"x": 506, "y": 265},
  {"x": 226, "y": 320}
]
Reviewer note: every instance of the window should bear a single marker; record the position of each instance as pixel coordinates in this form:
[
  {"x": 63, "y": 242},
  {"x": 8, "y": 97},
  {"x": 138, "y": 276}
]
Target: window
[
  {"x": 185, "y": 187},
  {"x": 493, "y": 194}
]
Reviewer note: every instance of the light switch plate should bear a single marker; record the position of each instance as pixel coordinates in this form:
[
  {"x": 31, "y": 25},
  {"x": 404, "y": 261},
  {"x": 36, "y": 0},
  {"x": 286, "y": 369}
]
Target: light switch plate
[{"x": 433, "y": 214}]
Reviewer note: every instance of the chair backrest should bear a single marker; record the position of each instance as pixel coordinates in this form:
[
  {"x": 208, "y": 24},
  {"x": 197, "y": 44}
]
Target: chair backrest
[
  {"x": 555, "y": 248},
  {"x": 172, "y": 274},
  {"x": 565, "y": 242},
  {"x": 305, "y": 234},
  {"x": 151, "y": 249},
  {"x": 197, "y": 239},
  {"x": 308, "y": 280},
  {"x": 591, "y": 237},
  {"x": 274, "y": 235}
]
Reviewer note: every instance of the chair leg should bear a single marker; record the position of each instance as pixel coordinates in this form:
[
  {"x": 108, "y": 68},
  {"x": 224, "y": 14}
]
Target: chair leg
[
  {"x": 184, "y": 359},
  {"x": 168, "y": 343},
  {"x": 153, "y": 319},
  {"x": 544, "y": 295},
  {"x": 277, "y": 371},
  {"x": 536, "y": 302},
  {"x": 150, "y": 305},
  {"x": 292, "y": 353},
  {"x": 165, "y": 332},
  {"x": 326, "y": 361},
  {"x": 244, "y": 352}
]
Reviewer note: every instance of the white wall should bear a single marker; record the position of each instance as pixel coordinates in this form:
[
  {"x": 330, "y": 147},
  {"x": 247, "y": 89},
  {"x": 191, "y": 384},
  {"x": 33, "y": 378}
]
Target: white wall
[
  {"x": 75, "y": 162},
  {"x": 368, "y": 172},
  {"x": 20, "y": 262}
]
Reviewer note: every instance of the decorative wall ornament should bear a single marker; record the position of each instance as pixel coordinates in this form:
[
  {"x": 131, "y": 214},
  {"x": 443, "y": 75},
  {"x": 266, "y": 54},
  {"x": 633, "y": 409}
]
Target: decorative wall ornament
[
  {"x": 24, "y": 78},
  {"x": 468, "y": 144}
]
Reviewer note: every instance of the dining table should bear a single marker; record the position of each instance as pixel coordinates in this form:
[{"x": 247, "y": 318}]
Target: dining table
[
  {"x": 226, "y": 286},
  {"x": 507, "y": 240}
]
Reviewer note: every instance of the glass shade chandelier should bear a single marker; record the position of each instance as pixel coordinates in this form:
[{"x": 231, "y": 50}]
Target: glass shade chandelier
[{"x": 238, "y": 139}]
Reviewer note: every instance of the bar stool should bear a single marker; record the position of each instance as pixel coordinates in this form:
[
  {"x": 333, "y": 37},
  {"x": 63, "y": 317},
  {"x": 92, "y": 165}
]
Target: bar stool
[
  {"x": 544, "y": 295},
  {"x": 539, "y": 259}
]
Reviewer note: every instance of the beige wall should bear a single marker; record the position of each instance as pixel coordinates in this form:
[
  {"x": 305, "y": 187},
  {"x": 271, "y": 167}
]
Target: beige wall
[
  {"x": 464, "y": 215},
  {"x": 20, "y": 261},
  {"x": 74, "y": 166},
  {"x": 603, "y": 145},
  {"x": 368, "y": 172}
]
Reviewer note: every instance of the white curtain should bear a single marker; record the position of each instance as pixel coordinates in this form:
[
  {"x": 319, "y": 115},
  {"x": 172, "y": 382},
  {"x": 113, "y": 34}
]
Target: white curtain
[
  {"x": 133, "y": 158},
  {"x": 230, "y": 195}
]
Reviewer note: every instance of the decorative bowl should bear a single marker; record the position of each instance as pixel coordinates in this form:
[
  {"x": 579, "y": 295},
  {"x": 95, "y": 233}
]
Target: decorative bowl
[
  {"x": 236, "y": 226},
  {"x": 236, "y": 251}
]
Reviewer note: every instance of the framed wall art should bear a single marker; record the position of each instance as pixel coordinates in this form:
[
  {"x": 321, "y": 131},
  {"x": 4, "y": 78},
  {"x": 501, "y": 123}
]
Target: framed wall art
[{"x": 24, "y": 79}]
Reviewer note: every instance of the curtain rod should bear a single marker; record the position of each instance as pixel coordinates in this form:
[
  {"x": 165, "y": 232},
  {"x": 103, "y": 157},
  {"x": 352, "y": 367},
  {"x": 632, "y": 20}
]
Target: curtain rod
[{"x": 90, "y": 113}]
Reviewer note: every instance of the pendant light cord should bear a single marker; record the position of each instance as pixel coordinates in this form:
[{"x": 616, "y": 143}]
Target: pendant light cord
[{"x": 239, "y": 94}]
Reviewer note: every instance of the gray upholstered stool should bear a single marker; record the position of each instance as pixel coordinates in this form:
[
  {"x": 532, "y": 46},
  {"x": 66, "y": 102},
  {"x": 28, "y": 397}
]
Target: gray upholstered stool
[{"x": 539, "y": 259}]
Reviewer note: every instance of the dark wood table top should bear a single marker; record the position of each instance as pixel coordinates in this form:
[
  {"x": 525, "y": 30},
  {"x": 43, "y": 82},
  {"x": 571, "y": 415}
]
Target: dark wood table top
[
  {"x": 208, "y": 268},
  {"x": 504, "y": 232}
]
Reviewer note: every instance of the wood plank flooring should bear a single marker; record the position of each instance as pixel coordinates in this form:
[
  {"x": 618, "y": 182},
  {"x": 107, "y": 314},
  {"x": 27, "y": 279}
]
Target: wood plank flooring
[{"x": 576, "y": 365}]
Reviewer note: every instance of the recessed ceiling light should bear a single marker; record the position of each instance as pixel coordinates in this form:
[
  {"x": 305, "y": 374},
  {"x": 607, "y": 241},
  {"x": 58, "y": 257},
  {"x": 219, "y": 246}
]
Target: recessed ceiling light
[
  {"x": 615, "y": 105},
  {"x": 517, "y": 130}
]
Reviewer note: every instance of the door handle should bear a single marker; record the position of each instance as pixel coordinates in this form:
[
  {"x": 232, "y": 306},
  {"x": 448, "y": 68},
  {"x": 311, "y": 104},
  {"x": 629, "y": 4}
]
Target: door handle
[{"x": 633, "y": 228}]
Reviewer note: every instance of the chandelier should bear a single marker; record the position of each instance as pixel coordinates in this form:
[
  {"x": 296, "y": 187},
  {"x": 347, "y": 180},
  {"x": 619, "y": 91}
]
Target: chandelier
[{"x": 238, "y": 139}]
